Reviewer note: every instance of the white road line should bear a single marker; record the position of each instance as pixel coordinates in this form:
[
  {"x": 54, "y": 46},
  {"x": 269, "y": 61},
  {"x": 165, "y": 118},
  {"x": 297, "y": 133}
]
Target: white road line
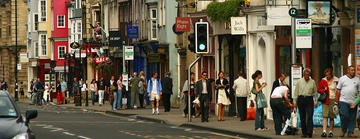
[
  {"x": 83, "y": 137},
  {"x": 70, "y": 134}
]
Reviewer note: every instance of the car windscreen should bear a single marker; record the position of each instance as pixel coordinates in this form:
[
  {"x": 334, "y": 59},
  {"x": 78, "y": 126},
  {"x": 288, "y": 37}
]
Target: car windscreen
[{"x": 7, "y": 109}]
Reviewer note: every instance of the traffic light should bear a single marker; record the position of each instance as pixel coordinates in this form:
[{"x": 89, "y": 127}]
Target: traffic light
[
  {"x": 191, "y": 39},
  {"x": 201, "y": 38}
]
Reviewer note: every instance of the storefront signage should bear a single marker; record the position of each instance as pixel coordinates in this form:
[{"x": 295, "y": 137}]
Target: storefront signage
[
  {"x": 357, "y": 42},
  {"x": 296, "y": 75},
  {"x": 133, "y": 32},
  {"x": 129, "y": 52},
  {"x": 238, "y": 25},
  {"x": 182, "y": 24},
  {"x": 101, "y": 59},
  {"x": 74, "y": 45},
  {"x": 153, "y": 58},
  {"x": 114, "y": 38},
  {"x": 24, "y": 57},
  {"x": 303, "y": 34},
  {"x": 83, "y": 53}
]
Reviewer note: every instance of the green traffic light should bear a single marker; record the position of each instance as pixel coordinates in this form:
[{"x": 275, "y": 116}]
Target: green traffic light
[{"x": 202, "y": 47}]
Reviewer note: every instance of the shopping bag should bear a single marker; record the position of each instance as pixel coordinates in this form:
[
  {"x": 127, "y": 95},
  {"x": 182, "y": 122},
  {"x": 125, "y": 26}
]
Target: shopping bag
[
  {"x": 293, "y": 119},
  {"x": 124, "y": 101},
  {"x": 261, "y": 100}
]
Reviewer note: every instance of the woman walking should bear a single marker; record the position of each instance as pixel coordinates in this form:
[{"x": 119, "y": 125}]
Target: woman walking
[
  {"x": 278, "y": 107},
  {"x": 222, "y": 94},
  {"x": 93, "y": 89},
  {"x": 259, "y": 119},
  {"x": 328, "y": 86}
]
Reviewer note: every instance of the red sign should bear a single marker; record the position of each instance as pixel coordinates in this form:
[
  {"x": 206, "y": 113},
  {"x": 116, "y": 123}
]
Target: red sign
[
  {"x": 182, "y": 24},
  {"x": 101, "y": 59}
]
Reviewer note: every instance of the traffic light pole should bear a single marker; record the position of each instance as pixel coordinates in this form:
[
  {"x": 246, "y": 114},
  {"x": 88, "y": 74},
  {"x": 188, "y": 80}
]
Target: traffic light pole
[{"x": 189, "y": 82}]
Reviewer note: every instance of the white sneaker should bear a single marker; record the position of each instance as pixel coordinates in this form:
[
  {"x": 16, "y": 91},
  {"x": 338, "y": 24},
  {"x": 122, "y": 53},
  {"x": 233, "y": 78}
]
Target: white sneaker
[{"x": 157, "y": 113}]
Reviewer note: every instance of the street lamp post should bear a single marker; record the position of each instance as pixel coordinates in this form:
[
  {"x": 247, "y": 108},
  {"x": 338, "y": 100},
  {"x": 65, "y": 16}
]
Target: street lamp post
[{"x": 16, "y": 55}]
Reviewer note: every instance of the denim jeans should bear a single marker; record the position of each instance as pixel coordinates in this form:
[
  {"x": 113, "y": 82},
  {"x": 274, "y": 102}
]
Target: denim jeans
[
  {"x": 119, "y": 99},
  {"x": 279, "y": 111},
  {"x": 115, "y": 100},
  {"x": 93, "y": 97},
  {"x": 348, "y": 118},
  {"x": 259, "y": 118}
]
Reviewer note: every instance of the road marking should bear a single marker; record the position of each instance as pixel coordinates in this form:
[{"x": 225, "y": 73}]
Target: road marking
[
  {"x": 83, "y": 137},
  {"x": 70, "y": 134},
  {"x": 229, "y": 136},
  {"x": 95, "y": 122}
]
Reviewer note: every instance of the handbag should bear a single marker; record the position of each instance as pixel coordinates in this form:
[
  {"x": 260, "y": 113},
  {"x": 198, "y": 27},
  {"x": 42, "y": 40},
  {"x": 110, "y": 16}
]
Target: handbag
[
  {"x": 323, "y": 96},
  {"x": 261, "y": 100}
]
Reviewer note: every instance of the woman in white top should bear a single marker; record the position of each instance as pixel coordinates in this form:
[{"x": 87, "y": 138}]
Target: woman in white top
[
  {"x": 93, "y": 90},
  {"x": 278, "y": 107},
  {"x": 84, "y": 92}
]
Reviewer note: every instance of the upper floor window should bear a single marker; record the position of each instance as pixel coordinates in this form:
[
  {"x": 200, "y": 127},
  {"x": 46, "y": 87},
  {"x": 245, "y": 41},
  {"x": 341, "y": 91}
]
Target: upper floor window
[
  {"x": 61, "y": 51},
  {"x": 36, "y": 22},
  {"x": 61, "y": 21},
  {"x": 36, "y": 46},
  {"x": 153, "y": 24},
  {"x": 43, "y": 10},
  {"x": 43, "y": 45}
]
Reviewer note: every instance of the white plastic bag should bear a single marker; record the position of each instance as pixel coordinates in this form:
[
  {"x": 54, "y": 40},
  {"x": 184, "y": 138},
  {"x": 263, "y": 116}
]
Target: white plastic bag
[
  {"x": 196, "y": 101},
  {"x": 124, "y": 101},
  {"x": 294, "y": 119}
]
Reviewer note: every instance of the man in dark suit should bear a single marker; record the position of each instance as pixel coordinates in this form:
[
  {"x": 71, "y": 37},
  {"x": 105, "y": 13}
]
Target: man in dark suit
[
  {"x": 167, "y": 91},
  {"x": 203, "y": 91},
  {"x": 278, "y": 82}
]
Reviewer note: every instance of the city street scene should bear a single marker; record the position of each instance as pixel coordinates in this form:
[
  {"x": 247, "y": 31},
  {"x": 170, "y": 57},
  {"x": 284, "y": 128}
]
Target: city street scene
[{"x": 179, "y": 69}]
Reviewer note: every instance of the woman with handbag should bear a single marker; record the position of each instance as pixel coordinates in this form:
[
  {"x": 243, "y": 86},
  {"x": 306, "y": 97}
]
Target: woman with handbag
[
  {"x": 222, "y": 95},
  {"x": 327, "y": 89},
  {"x": 260, "y": 99},
  {"x": 93, "y": 89}
]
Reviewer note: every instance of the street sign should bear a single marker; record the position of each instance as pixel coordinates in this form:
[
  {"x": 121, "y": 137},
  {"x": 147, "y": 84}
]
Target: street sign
[
  {"x": 129, "y": 53},
  {"x": 133, "y": 32},
  {"x": 303, "y": 33},
  {"x": 238, "y": 25},
  {"x": 182, "y": 24},
  {"x": 24, "y": 57},
  {"x": 101, "y": 59},
  {"x": 114, "y": 38},
  {"x": 18, "y": 66},
  {"x": 74, "y": 45},
  {"x": 125, "y": 79},
  {"x": 296, "y": 75},
  {"x": 293, "y": 12}
]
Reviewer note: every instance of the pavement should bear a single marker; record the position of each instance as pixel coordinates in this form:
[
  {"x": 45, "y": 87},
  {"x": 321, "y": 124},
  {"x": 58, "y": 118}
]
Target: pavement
[{"x": 231, "y": 126}]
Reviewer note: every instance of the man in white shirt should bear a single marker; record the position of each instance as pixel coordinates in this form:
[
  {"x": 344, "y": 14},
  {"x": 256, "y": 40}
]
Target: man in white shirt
[{"x": 241, "y": 87}]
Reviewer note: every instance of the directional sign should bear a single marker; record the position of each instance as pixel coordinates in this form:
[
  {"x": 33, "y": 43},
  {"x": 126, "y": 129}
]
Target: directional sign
[
  {"x": 293, "y": 12},
  {"x": 129, "y": 53},
  {"x": 74, "y": 45},
  {"x": 303, "y": 33}
]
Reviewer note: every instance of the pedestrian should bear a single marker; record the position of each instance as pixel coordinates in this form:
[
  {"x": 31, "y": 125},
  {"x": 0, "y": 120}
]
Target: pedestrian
[
  {"x": 76, "y": 92},
  {"x": 142, "y": 89},
  {"x": 204, "y": 92},
  {"x": 112, "y": 90},
  {"x": 192, "y": 95},
  {"x": 101, "y": 89},
  {"x": 347, "y": 90},
  {"x": 259, "y": 119},
  {"x": 279, "y": 108},
  {"x": 31, "y": 91},
  {"x": 305, "y": 98},
  {"x": 93, "y": 91},
  {"x": 167, "y": 91},
  {"x": 119, "y": 93},
  {"x": 154, "y": 91},
  {"x": 84, "y": 92},
  {"x": 39, "y": 90},
  {"x": 278, "y": 82},
  {"x": 328, "y": 85},
  {"x": 22, "y": 93},
  {"x": 134, "y": 83},
  {"x": 63, "y": 90},
  {"x": 241, "y": 87},
  {"x": 222, "y": 94}
]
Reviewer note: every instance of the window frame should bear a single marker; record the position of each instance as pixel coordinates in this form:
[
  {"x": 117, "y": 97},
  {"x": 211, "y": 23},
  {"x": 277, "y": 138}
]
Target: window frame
[
  {"x": 36, "y": 49},
  {"x": 36, "y": 22},
  {"x": 58, "y": 21},
  {"x": 59, "y": 51},
  {"x": 43, "y": 11},
  {"x": 152, "y": 27},
  {"x": 43, "y": 44}
]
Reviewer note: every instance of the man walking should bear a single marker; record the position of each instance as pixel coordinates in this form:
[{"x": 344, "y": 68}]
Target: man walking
[
  {"x": 305, "y": 98},
  {"x": 347, "y": 90},
  {"x": 76, "y": 92},
  {"x": 101, "y": 90},
  {"x": 134, "y": 82},
  {"x": 203, "y": 91},
  {"x": 39, "y": 89},
  {"x": 242, "y": 92},
  {"x": 167, "y": 91},
  {"x": 154, "y": 91}
]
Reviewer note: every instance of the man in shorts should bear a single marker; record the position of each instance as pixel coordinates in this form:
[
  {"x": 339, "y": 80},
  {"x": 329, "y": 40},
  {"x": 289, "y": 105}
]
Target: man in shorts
[{"x": 154, "y": 91}]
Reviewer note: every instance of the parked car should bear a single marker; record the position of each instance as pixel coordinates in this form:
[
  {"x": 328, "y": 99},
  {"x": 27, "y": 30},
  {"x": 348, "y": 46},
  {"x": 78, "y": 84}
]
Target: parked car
[{"x": 13, "y": 125}]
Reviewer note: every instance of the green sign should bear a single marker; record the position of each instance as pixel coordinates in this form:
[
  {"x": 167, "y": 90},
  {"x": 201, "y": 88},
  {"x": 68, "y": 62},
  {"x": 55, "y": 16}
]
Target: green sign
[{"x": 293, "y": 12}]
